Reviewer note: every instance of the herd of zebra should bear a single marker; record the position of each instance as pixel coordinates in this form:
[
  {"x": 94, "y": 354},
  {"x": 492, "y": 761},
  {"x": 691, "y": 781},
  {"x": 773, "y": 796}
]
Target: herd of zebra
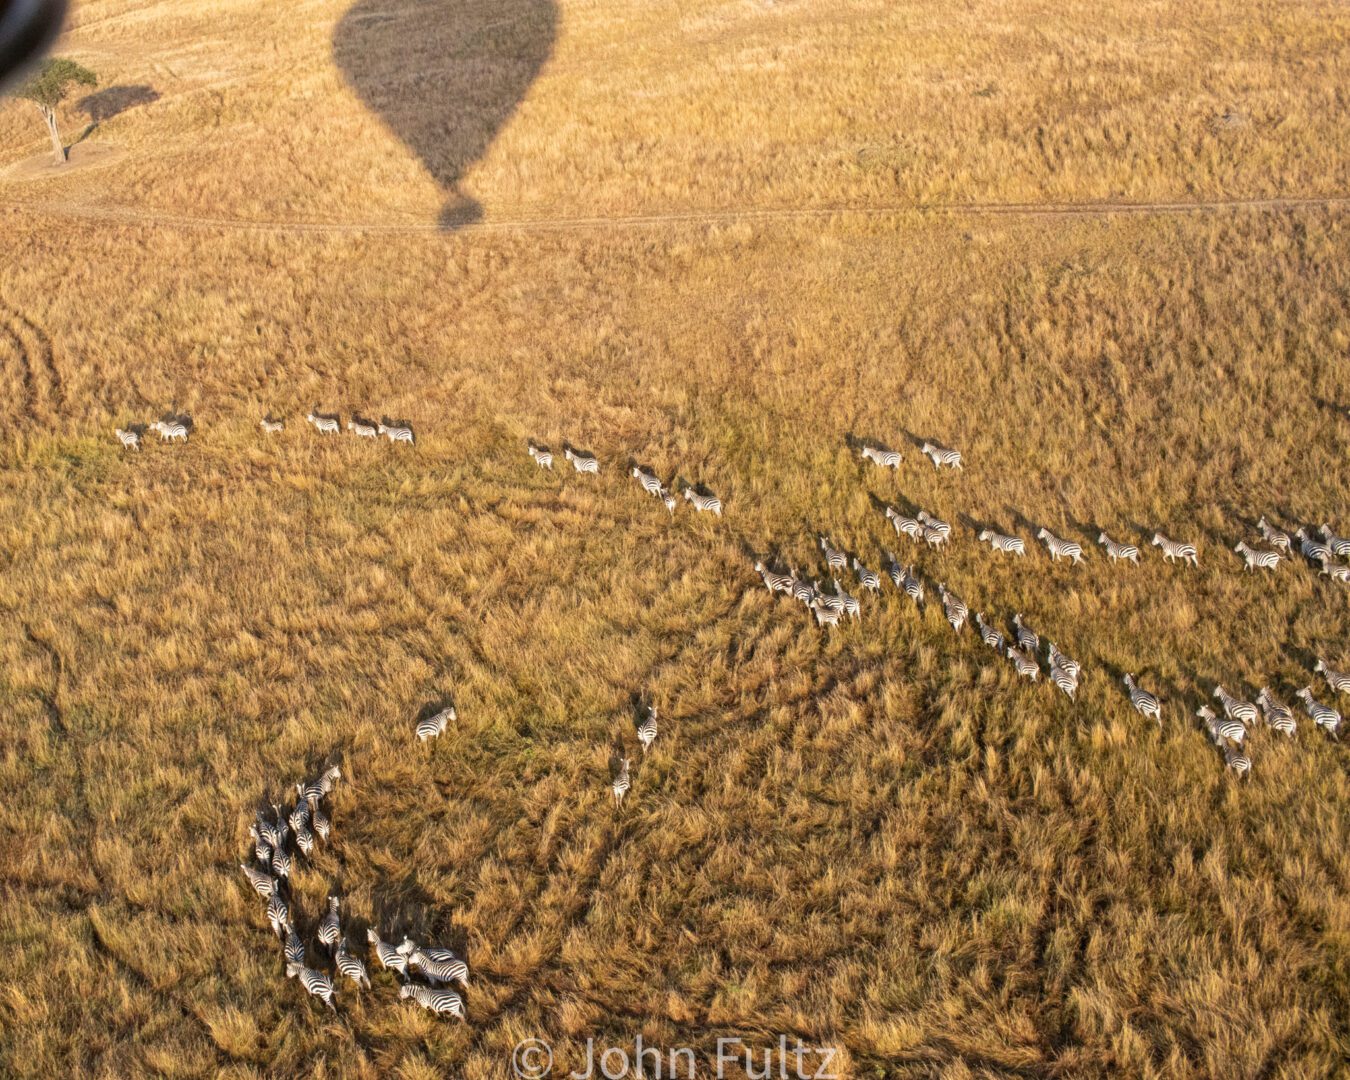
[
  {"x": 277, "y": 843},
  {"x": 177, "y": 429},
  {"x": 652, "y": 484}
]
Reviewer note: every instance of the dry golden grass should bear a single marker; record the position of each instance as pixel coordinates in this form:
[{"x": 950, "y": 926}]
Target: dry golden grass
[{"x": 875, "y": 839}]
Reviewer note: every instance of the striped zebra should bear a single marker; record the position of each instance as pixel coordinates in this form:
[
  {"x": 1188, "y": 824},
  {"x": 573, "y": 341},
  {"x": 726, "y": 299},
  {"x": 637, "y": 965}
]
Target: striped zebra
[
  {"x": 650, "y": 484},
  {"x": 774, "y": 581},
  {"x": 1313, "y": 550},
  {"x": 388, "y": 956},
  {"x": 541, "y": 456},
  {"x": 281, "y": 829},
  {"x": 1337, "y": 682},
  {"x": 442, "y": 1002},
  {"x": 278, "y": 913},
  {"x": 953, "y": 607},
  {"x": 885, "y": 459},
  {"x": 304, "y": 840},
  {"x": 272, "y": 427},
  {"x": 170, "y": 430},
  {"x": 622, "y": 782},
  {"x": 298, "y": 818},
  {"x": 262, "y": 850},
  {"x": 932, "y": 537},
  {"x": 315, "y": 982},
  {"x": 850, "y": 605},
  {"x": 1324, "y": 716},
  {"x": 940, "y": 457},
  {"x": 328, "y": 779},
  {"x": 868, "y": 579},
  {"x": 1027, "y": 638},
  {"x": 703, "y": 502},
  {"x": 936, "y": 525},
  {"x": 281, "y": 864},
  {"x": 330, "y": 926},
  {"x": 1279, "y": 716},
  {"x": 894, "y": 571},
  {"x": 1176, "y": 549},
  {"x": 834, "y": 559},
  {"x": 824, "y": 613},
  {"x": 322, "y": 826},
  {"x": 363, "y": 429},
  {"x": 324, "y": 425},
  {"x": 1116, "y": 552},
  {"x": 1235, "y": 708},
  {"x": 906, "y": 526},
  {"x": 408, "y": 946},
  {"x": 1059, "y": 660},
  {"x": 350, "y": 966},
  {"x": 1238, "y": 760},
  {"x": 306, "y": 792},
  {"x": 1144, "y": 703},
  {"x": 1334, "y": 570},
  {"x": 912, "y": 586},
  {"x": 1026, "y": 666},
  {"x": 1339, "y": 544},
  {"x": 669, "y": 501},
  {"x": 1008, "y": 545},
  {"x": 990, "y": 635},
  {"x": 829, "y": 601},
  {"x": 1263, "y": 560},
  {"x": 292, "y": 948},
  {"x": 430, "y": 727},
  {"x": 129, "y": 438},
  {"x": 646, "y": 729},
  {"x": 582, "y": 463},
  {"x": 1066, "y": 680},
  {"x": 802, "y": 589},
  {"x": 1061, "y": 549},
  {"x": 1273, "y": 536},
  {"x": 440, "y": 972},
  {"x": 1221, "y": 729},
  {"x": 397, "y": 433}
]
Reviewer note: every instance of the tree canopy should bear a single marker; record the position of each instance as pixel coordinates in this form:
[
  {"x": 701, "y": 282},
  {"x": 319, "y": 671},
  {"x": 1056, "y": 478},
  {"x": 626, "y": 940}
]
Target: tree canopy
[{"x": 53, "y": 81}]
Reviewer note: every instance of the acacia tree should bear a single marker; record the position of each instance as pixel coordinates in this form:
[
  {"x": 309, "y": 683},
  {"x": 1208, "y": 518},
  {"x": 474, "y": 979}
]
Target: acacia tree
[{"x": 48, "y": 87}]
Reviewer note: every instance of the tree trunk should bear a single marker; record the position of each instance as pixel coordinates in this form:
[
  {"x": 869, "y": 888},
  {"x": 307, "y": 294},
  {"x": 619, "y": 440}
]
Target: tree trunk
[{"x": 57, "y": 147}]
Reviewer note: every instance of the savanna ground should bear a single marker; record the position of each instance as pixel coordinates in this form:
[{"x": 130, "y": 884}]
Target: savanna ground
[{"x": 875, "y": 839}]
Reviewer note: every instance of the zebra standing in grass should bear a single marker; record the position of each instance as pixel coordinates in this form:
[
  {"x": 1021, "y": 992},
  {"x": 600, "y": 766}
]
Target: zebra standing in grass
[
  {"x": 278, "y": 913},
  {"x": 1026, "y": 665},
  {"x": 272, "y": 427},
  {"x": 388, "y": 956},
  {"x": 330, "y": 926},
  {"x": 1338, "y": 544},
  {"x": 1116, "y": 552},
  {"x": 953, "y": 607},
  {"x": 1278, "y": 715},
  {"x": 582, "y": 463},
  {"x": 850, "y": 605},
  {"x": 1238, "y": 760},
  {"x": 906, "y": 526},
  {"x": 262, "y": 849},
  {"x": 1008, "y": 545},
  {"x": 397, "y": 433},
  {"x": 936, "y": 525},
  {"x": 669, "y": 501},
  {"x": 315, "y": 982},
  {"x": 441, "y": 1002},
  {"x": 704, "y": 502},
  {"x": 541, "y": 456},
  {"x": 825, "y": 614},
  {"x": 434, "y": 725},
  {"x": 1221, "y": 729},
  {"x": 281, "y": 864},
  {"x": 1273, "y": 536},
  {"x": 324, "y": 425},
  {"x": 894, "y": 571},
  {"x": 328, "y": 780},
  {"x": 1337, "y": 682},
  {"x": 1061, "y": 549},
  {"x": 622, "y": 782},
  {"x": 1144, "y": 703},
  {"x": 1313, "y": 550},
  {"x": 362, "y": 430},
  {"x": 1059, "y": 660},
  {"x": 128, "y": 437},
  {"x": 1066, "y": 680},
  {"x": 646, "y": 729},
  {"x": 885, "y": 459},
  {"x": 440, "y": 970},
  {"x": 802, "y": 590},
  {"x": 292, "y": 948},
  {"x": 940, "y": 457},
  {"x": 1264, "y": 560},
  {"x": 774, "y": 581},
  {"x": 1235, "y": 708},
  {"x": 1324, "y": 716},
  {"x": 1335, "y": 571},
  {"x": 913, "y": 587},
  {"x": 832, "y": 602},
  {"x": 650, "y": 484},
  {"x": 834, "y": 559},
  {"x": 350, "y": 966},
  {"x": 170, "y": 430},
  {"x": 1176, "y": 549},
  {"x": 990, "y": 635},
  {"x": 868, "y": 579},
  {"x": 321, "y": 824},
  {"x": 1027, "y": 638}
]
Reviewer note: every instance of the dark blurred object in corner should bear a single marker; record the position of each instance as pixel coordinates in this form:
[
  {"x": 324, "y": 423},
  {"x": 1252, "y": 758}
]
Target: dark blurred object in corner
[{"x": 27, "y": 30}]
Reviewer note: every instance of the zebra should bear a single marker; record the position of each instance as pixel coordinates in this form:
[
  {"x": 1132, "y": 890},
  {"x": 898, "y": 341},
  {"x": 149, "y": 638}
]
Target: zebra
[
  {"x": 266, "y": 833},
  {"x": 990, "y": 635},
  {"x": 848, "y": 604},
  {"x": 280, "y": 828},
  {"x": 953, "y": 607},
  {"x": 397, "y": 433},
  {"x": 1278, "y": 715},
  {"x": 825, "y": 615},
  {"x": 350, "y": 966},
  {"x": 1339, "y": 544},
  {"x": 278, "y": 914},
  {"x": 1176, "y": 549},
  {"x": 1219, "y": 730},
  {"x": 321, "y": 824},
  {"x": 1061, "y": 549},
  {"x": 622, "y": 782},
  {"x": 281, "y": 864},
  {"x": 830, "y": 601},
  {"x": 1026, "y": 666},
  {"x": 292, "y": 948},
  {"x": 128, "y": 437},
  {"x": 328, "y": 779},
  {"x": 408, "y": 946},
  {"x": 315, "y": 982},
  {"x": 1337, "y": 682},
  {"x": 913, "y": 587},
  {"x": 940, "y": 457},
  {"x": 1334, "y": 570},
  {"x": 907, "y": 526},
  {"x": 298, "y": 817},
  {"x": 439, "y": 972},
  {"x": 440, "y": 1001},
  {"x": 703, "y": 502},
  {"x": 1027, "y": 638},
  {"x": 1324, "y": 716},
  {"x": 650, "y": 484},
  {"x": 885, "y": 459},
  {"x": 835, "y": 560},
  {"x": 1008, "y": 545},
  {"x": 646, "y": 729},
  {"x": 170, "y": 430},
  {"x": 305, "y": 793},
  {"x": 933, "y": 537},
  {"x": 434, "y": 725},
  {"x": 1116, "y": 551},
  {"x": 868, "y": 579},
  {"x": 272, "y": 427},
  {"x": 1059, "y": 660},
  {"x": 894, "y": 571},
  {"x": 262, "y": 850},
  {"x": 304, "y": 840},
  {"x": 669, "y": 501},
  {"x": 582, "y": 463},
  {"x": 1066, "y": 680},
  {"x": 1265, "y": 560},
  {"x": 1235, "y": 708},
  {"x": 802, "y": 589},
  {"x": 1144, "y": 703},
  {"x": 362, "y": 429},
  {"x": 324, "y": 425},
  {"x": 1238, "y": 760},
  {"x": 774, "y": 581},
  {"x": 1273, "y": 536},
  {"x": 542, "y": 456},
  {"x": 388, "y": 956},
  {"x": 936, "y": 525},
  {"x": 1312, "y": 550},
  {"x": 330, "y": 926}
]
